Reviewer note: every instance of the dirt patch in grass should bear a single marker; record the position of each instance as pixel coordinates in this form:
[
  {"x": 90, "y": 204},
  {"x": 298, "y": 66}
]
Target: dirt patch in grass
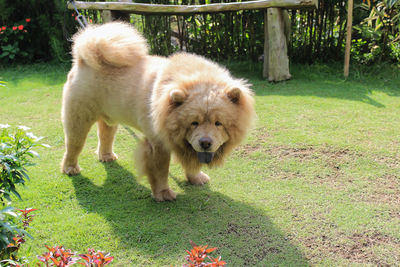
[
  {"x": 247, "y": 149},
  {"x": 392, "y": 163},
  {"x": 357, "y": 247},
  {"x": 266, "y": 243},
  {"x": 383, "y": 190}
]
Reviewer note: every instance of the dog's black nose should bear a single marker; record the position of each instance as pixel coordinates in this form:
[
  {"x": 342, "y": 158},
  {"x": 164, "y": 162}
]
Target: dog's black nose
[{"x": 205, "y": 142}]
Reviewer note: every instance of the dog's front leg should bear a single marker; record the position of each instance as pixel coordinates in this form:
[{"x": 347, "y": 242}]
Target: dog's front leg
[{"x": 153, "y": 160}]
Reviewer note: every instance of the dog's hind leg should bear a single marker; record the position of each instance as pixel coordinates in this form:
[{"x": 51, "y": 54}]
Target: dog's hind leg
[
  {"x": 77, "y": 124},
  {"x": 106, "y": 134},
  {"x": 153, "y": 161}
]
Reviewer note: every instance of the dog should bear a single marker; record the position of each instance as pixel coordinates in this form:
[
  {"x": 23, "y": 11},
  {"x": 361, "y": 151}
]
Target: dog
[{"x": 185, "y": 105}]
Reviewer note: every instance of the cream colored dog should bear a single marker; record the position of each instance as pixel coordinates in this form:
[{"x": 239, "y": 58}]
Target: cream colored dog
[{"x": 184, "y": 104}]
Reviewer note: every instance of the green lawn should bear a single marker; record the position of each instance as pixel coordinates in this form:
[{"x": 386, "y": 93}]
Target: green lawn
[{"x": 317, "y": 182}]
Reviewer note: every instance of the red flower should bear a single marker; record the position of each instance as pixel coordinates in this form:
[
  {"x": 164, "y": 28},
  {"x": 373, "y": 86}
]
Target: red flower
[
  {"x": 28, "y": 20},
  {"x": 15, "y": 28},
  {"x": 21, "y": 27},
  {"x": 4, "y": 28}
]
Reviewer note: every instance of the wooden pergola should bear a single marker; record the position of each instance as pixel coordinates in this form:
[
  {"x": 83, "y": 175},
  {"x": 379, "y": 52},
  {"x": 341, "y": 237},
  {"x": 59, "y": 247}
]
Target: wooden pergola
[{"x": 276, "y": 61}]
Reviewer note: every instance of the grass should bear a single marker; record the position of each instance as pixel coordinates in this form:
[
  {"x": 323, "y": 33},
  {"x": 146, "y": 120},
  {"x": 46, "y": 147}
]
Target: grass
[{"x": 317, "y": 182}]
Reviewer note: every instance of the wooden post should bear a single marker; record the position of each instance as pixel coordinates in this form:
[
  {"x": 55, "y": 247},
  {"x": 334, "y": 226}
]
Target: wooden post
[
  {"x": 108, "y": 15},
  {"x": 276, "y": 60},
  {"x": 348, "y": 38}
]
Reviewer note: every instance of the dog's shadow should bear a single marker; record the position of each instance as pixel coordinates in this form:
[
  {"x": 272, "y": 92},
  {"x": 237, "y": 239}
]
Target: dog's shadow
[{"x": 243, "y": 234}]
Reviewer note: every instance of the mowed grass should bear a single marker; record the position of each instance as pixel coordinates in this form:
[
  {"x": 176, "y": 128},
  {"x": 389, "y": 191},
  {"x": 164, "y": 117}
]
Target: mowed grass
[{"x": 317, "y": 182}]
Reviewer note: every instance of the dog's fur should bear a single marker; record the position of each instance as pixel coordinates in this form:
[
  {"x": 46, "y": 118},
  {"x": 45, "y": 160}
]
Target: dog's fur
[{"x": 176, "y": 102}]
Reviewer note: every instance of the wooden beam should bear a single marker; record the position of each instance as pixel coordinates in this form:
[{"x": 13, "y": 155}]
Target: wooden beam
[
  {"x": 348, "y": 38},
  {"x": 140, "y": 8}
]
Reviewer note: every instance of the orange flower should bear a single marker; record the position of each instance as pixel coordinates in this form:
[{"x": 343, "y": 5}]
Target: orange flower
[
  {"x": 28, "y": 20},
  {"x": 14, "y": 28},
  {"x": 21, "y": 27}
]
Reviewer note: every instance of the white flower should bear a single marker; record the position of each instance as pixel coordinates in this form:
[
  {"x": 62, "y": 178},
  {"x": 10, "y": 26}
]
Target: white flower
[
  {"x": 4, "y": 125},
  {"x": 31, "y": 135},
  {"x": 22, "y": 127}
]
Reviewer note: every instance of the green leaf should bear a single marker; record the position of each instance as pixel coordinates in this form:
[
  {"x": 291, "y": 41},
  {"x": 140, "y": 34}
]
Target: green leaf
[
  {"x": 34, "y": 153},
  {"x": 16, "y": 193},
  {"x": 8, "y": 227},
  {"x": 9, "y": 211}
]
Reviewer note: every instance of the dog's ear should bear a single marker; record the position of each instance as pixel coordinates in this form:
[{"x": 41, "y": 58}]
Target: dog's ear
[
  {"x": 234, "y": 94},
  {"x": 177, "y": 96}
]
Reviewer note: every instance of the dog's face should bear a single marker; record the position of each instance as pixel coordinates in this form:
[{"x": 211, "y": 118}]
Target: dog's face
[
  {"x": 206, "y": 135},
  {"x": 207, "y": 116}
]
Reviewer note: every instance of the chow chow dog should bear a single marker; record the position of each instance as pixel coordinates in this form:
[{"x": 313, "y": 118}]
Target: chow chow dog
[{"x": 184, "y": 105}]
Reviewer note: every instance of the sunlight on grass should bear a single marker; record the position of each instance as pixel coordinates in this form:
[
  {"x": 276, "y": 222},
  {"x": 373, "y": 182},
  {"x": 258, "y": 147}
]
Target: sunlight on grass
[{"x": 317, "y": 177}]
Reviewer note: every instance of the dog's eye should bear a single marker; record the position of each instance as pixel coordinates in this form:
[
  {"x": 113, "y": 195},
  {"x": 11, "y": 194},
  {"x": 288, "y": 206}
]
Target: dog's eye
[
  {"x": 195, "y": 123},
  {"x": 217, "y": 123}
]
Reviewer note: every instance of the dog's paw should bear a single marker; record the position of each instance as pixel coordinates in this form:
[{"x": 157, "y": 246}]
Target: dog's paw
[
  {"x": 108, "y": 157},
  {"x": 164, "y": 195},
  {"x": 200, "y": 178},
  {"x": 71, "y": 170}
]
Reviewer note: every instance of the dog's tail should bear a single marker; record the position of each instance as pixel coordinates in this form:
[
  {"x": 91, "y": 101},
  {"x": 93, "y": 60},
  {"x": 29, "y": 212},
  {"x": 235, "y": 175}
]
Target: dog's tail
[{"x": 114, "y": 44}]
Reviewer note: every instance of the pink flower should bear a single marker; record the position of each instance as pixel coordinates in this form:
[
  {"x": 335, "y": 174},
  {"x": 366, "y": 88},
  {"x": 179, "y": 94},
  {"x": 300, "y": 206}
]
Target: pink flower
[
  {"x": 21, "y": 27},
  {"x": 28, "y": 20},
  {"x": 4, "y": 28},
  {"x": 14, "y": 28}
]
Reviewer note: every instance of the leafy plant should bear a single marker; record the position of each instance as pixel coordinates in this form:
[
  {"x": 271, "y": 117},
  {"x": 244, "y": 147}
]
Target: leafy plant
[
  {"x": 8, "y": 229},
  {"x": 58, "y": 256},
  {"x": 198, "y": 256},
  {"x": 19, "y": 238},
  {"x": 381, "y": 29},
  {"x": 16, "y": 152},
  {"x": 11, "y": 41},
  {"x": 95, "y": 259}
]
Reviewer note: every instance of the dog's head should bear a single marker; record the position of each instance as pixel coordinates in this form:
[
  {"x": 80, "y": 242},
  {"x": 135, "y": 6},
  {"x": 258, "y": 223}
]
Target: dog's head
[{"x": 203, "y": 116}]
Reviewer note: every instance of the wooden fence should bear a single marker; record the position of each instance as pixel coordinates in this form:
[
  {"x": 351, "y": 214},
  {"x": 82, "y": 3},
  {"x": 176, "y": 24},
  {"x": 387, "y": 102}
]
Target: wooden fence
[{"x": 276, "y": 61}]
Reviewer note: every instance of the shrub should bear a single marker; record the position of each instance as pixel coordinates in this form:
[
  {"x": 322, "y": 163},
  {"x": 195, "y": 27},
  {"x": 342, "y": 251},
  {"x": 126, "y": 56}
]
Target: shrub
[
  {"x": 16, "y": 153},
  {"x": 12, "y": 41},
  {"x": 8, "y": 230}
]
